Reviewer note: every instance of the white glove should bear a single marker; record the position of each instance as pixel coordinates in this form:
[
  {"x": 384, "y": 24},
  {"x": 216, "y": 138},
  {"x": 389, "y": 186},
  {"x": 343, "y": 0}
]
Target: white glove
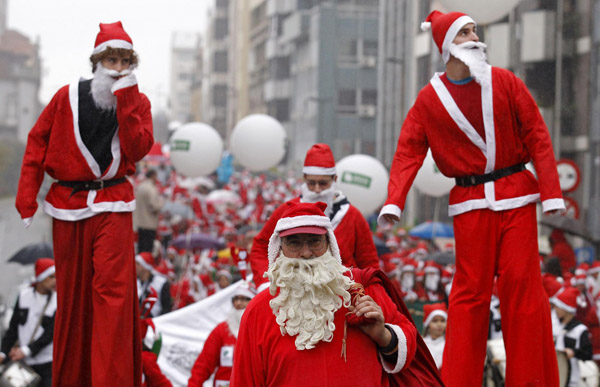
[{"x": 124, "y": 82}]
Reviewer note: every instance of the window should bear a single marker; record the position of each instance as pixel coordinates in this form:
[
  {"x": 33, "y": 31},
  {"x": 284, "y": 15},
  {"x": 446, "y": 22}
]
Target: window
[
  {"x": 219, "y": 95},
  {"x": 220, "y": 64},
  {"x": 280, "y": 109},
  {"x": 348, "y": 49},
  {"x": 370, "y": 48},
  {"x": 280, "y": 67},
  {"x": 221, "y": 28},
  {"x": 368, "y": 97},
  {"x": 347, "y": 100}
]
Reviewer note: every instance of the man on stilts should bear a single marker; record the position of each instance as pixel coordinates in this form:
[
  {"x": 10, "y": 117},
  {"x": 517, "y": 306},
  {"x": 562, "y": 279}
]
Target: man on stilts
[
  {"x": 88, "y": 139},
  {"x": 483, "y": 126}
]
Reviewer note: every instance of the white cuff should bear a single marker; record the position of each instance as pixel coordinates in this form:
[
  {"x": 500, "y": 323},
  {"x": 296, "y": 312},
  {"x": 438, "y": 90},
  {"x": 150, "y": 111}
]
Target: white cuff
[
  {"x": 122, "y": 83},
  {"x": 28, "y": 221},
  {"x": 26, "y": 350},
  {"x": 402, "y": 352},
  {"x": 388, "y": 209},
  {"x": 553, "y": 204}
]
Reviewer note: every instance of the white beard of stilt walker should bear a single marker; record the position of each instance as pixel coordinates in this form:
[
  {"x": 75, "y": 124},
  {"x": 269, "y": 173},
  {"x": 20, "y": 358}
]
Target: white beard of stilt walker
[
  {"x": 102, "y": 83},
  {"x": 473, "y": 55},
  {"x": 310, "y": 292},
  {"x": 326, "y": 196}
]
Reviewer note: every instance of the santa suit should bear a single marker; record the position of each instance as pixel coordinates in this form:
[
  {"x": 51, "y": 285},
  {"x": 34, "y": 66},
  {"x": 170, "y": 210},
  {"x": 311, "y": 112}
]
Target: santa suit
[
  {"x": 473, "y": 130},
  {"x": 265, "y": 357},
  {"x": 351, "y": 230},
  {"x": 97, "y": 319},
  {"x": 216, "y": 353}
]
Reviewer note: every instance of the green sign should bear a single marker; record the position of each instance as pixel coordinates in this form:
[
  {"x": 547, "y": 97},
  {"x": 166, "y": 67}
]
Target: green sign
[
  {"x": 356, "y": 179},
  {"x": 180, "y": 145}
]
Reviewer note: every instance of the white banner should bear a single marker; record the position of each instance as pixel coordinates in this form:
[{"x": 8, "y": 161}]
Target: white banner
[{"x": 185, "y": 330}]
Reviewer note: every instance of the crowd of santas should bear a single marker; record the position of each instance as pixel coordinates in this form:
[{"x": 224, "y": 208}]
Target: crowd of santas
[{"x": 409, "y": 266}]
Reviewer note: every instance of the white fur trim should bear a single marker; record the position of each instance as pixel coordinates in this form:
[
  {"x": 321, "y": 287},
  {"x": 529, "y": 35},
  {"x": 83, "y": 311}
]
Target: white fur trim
[
  {"x": 388, "y": 209},
  {"x": 505, "y": 204},
  {"x": 562, "y": 305},
  {"x": 487, "y": 107},
  {"x": 425, "y": 26},
  {"x": 139, "y": 259},
  {"x": 319, "y": 171},
  {"x": 300, "y": 221},
  {"x": 553, "y": 204},
  {"x": 28, "y": 221},
  {"x": 114, "y": 43},
  {"x": 456, "y": 114},
  {"x": 451, "y": 35},
  {"x": 263, "y": 286},
  {"x": 123, "y": 83},
  {"x": 433, "y": 314},
  {"x": 45, "y": 274},
  {"x": 88, "y": 212},
  {"x": 339, "y": 216},
  {"x": 402, "y": 352}
]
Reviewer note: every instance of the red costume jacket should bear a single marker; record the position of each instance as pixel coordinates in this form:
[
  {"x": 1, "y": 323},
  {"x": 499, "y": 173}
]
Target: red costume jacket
[
  {"x": 217, "y": 353},
  {"x": 351, "y": 230},
  {"x": 265, "y": 357},
  {"x": 55, "y": 146},
  {"x": 514, "y": 133}
]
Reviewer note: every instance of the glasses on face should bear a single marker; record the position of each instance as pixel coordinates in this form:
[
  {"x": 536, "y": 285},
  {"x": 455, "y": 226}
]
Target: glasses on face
[
  {"x": 321, "y": 183},
  {"x": 314, "y": 244}
]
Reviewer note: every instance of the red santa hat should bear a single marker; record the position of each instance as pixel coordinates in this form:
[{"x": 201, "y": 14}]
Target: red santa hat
[
  {"x": 595, "y": 268},
  {"x": 146, "y": 260},
  {"x": 319, "y": 161},
  {"x": 244, "y": 289},
  {"x": 432, "y": 267},
  {"x": 302, "y": 218},
  {"x": 44, "y": 268},
  {"x": 551, "y": 285},
  {"x": 224, "y": 273},
  {"x": 112, "y": 35},
  {"x": 409, "y": 264},
  {"x": 432, "y": 310},
  {"x": 444, "y": 28},
  {"x": 582, "y": 269},
  {"x": 567, "y": 300}
]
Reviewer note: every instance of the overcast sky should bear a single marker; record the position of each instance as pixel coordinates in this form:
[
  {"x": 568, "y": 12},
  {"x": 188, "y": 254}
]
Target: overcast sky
[{"x": 67, "y": 29}]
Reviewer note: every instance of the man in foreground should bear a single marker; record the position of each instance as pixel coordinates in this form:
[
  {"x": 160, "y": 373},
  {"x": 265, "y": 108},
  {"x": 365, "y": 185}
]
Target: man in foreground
[
  {"x": 317, "y": 324},
  {"x": 88, "y": 139},
  {"x": 483, "y": 126}
]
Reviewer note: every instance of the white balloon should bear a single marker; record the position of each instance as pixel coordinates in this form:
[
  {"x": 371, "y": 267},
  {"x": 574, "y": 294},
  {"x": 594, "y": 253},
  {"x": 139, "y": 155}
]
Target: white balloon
[
  {"x": 483, "y": 12},
  {"x": 258, "y": 142},
  {"x": 430, "y": 180},
  {"x": 363, "y": 179},
  {"x": 196, "y": 149}
]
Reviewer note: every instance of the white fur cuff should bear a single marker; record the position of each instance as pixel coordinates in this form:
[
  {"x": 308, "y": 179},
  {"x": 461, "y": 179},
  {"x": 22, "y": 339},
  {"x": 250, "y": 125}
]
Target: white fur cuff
[
  {"x": 28, "y": 221},
  {"x": 124, "y": 82},
  {"x": 402, "y": 352},
  {"x": 553, "y": 204},
  {"x": 388, "y": 209}
]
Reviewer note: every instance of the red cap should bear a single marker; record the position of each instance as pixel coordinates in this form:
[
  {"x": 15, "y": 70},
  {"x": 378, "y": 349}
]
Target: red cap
[
  {"x": 44, "y": 268},
  {"x": 444, "y": 28},
  {"x": 432, "y": 310},
  {"x": 319, "y": 161},
  {"x": 112, "y": 35}
]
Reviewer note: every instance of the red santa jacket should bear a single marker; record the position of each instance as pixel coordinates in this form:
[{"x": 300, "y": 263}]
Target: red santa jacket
[
  {"x": 54, "y": 146},
  {"x": 514, "y": 133},
  {"x": 216, "y": 353},
  {"x": 265, "y": 357},
  {"x": 351, "y": 230}
]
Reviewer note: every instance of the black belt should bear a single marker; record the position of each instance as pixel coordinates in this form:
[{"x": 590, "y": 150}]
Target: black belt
[
  {"x": 91, "y": 184},
  {"x": 469, "y": 181}
]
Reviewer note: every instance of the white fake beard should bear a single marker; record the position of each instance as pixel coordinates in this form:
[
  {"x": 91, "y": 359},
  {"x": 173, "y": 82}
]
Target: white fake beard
[
  {"x": 432, "y": 282},
  {"x": 408, "y": 282},
  {"x": 310, "y": 292},
  {"x": 326, "y": 196},
  {"x": 234, "y": 317},
  {"x": 473, "y": 55},
  {"x": 101, "y": 85}
]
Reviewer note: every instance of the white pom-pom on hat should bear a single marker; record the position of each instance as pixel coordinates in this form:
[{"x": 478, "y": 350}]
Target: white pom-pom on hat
[{"x": 425, "y": 26}]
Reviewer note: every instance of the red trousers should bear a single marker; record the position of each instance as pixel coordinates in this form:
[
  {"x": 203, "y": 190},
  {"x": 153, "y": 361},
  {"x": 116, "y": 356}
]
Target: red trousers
[
  {"x": 96, "y": 334},
  {"x": 502, "y": 244}
]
